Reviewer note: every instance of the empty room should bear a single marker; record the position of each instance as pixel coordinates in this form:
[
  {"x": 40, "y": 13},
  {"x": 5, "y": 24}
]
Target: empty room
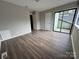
[{"x": 39, "y": 29}]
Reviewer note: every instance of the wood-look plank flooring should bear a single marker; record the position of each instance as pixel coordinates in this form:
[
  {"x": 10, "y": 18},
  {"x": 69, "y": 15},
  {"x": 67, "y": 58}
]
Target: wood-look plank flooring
[{"x": 39, "y": 45}]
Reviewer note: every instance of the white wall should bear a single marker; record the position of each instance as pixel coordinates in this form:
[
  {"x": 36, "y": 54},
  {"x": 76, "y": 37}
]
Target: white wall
[
  {"x": 14, "y": 19},
  {"x": 48, "y": 23},
  {"x": 75, "y": 40},
  {"x": 42, "y": 21},
  {"x": 36, "y": 21}
]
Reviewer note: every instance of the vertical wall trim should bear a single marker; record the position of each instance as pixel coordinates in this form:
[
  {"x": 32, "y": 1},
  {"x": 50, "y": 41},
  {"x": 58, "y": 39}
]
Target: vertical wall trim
[{"x": 74, "y": 52}]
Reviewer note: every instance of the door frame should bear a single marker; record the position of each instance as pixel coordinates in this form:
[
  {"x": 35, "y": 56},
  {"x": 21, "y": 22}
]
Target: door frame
[
  {"x": 31, "y": 22},
  {"x": 62, "y": 20}
]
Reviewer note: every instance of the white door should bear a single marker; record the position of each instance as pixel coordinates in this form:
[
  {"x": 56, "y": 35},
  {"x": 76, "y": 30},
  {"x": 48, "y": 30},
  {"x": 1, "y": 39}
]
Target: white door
[{"x": 48, "y": 17}]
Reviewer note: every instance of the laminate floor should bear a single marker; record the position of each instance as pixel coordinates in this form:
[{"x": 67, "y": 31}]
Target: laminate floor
[{"x": 39, "y": 45}]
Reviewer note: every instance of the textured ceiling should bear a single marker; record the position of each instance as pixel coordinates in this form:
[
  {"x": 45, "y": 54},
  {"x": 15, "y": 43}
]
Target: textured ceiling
[{"x": 41, "y": 5}]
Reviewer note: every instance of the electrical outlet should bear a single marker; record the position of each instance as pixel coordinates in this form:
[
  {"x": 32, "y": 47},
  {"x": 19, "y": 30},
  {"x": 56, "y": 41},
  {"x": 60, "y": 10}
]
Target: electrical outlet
[{"x": 4, "y": 55}]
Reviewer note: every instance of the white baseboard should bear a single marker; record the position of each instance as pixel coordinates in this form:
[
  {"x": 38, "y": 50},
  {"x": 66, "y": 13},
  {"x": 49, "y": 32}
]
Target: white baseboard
[
  {"x": 19, "y": 35},
  {"x": 74, "y": 52}
]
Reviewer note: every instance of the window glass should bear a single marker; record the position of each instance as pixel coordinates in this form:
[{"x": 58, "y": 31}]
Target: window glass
[
  {"x": 68, "y": 15},
  {"x": 78, "y": 21}
]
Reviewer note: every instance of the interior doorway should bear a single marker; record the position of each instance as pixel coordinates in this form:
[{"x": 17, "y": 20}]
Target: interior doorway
[
  {"x": 31, "y": 20},
  {"x": 64, "y": 21}
]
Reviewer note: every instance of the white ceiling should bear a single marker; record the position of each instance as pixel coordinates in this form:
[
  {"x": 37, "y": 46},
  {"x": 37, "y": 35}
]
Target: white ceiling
[{"x": 41, "y": 5}]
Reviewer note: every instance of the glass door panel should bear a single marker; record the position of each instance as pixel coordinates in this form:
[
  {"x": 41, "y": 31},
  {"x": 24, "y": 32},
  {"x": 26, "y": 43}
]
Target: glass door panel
[
  {"x": 67, "y": 21},
  {"x": 57, "y": 23},
  {"x": 63, "y": 21},
  {"x": 66, "y": 27}
]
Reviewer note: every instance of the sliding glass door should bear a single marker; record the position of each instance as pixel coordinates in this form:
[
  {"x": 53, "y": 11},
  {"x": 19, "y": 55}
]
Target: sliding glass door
[{"x": 64, "y": 20}]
